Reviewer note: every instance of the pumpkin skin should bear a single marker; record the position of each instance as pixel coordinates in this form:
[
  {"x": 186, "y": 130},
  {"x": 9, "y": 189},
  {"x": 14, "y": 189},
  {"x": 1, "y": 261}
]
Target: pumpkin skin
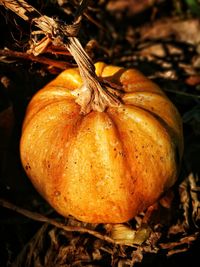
[{"x": 102, "y": 167}]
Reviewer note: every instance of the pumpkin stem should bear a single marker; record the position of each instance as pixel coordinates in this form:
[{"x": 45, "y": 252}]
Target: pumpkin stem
[{"x": 91, "y": 95}]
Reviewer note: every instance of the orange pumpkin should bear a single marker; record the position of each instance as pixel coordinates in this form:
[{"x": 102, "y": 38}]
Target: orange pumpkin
[{"x": 102, "y": 167}]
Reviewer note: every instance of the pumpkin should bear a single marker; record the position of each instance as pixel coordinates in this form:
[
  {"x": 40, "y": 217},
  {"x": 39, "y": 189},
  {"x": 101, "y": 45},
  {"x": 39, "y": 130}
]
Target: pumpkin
[{"x": 102, "y": 166}]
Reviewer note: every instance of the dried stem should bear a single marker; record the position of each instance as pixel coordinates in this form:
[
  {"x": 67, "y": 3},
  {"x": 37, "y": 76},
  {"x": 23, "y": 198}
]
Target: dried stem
[
  {"x": 91, "y": 96},
  {"x": 41, "y": 218},
  {"x": 21, "y": 8},
  {"x": 55, "y": 63}
]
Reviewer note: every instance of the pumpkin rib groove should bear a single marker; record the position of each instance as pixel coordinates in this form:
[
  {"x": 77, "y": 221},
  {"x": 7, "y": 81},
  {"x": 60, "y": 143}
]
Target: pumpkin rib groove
[
  {"x": 121, "y": 140},
  {"x": 169, "y": 120},
  {"x": 173, "y": 135},
  {"x": 137, "y": 176},
  {"x": 36, "y": 109},
  {"x": 159, "y": 130},
  {"x": 123, "y": 153},
  {"x": 142, "y": 114},
  {"x": 168, "y": 128},
  {"x": 150, "y": 102}
]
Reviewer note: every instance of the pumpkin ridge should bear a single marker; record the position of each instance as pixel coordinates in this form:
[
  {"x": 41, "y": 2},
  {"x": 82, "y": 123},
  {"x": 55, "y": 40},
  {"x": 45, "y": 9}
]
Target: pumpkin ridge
[
  {"x": 121, "y": 140},
  {"x": 141, "y": 113},
  {"x": 158, "y": 141},
  {"x": 37, "y": 110},
  {"x": 56, "y": 182},
  {"x": 170, "y": 130},
  {"x": 175, "y": 129},
  {"x": 39, "y": 117},
  {"x": 150, "y": 102},
  {"x": 70, "y": 77},
  {"x": 141, "y": 91},
  {"x": 172, "y": 133},
  {"x": 52, "y": 93}
]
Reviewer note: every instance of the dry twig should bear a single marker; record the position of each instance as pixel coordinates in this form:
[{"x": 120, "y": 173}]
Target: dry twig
[
  {"x": 44, "y": 60},
  {"x": 21, "y": 8},
  {"x": 180, "y": 245},
  {"x": 41, "y": 218},
  {"x": 54, "y": 32}
]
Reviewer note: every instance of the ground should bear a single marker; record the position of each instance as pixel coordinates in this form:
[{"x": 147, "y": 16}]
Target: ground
[{"x": 161, "y": 39}]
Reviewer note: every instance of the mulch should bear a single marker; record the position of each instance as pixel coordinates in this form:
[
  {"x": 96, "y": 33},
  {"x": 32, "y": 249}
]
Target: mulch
[{"x": 162, "y": 40}]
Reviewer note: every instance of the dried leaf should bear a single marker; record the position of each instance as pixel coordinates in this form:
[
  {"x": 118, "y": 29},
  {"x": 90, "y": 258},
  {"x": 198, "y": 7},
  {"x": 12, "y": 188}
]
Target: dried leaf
[
  {"x": 123, "y": 234},
  {"x": 183, "y": 30},
  {"x": 195, "y": 199},
  {"x": 132, "y": 6}
]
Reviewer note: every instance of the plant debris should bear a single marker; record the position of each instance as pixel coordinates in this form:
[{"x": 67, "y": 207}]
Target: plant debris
[{"x": 164, "y": 44}]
